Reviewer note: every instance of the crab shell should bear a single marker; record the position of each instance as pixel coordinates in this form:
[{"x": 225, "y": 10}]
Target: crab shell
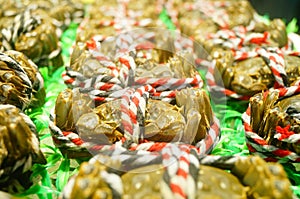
[
  {"x": 249, "y": 177},
  {"x": 19, "y": 149},
  {"x": 252, "y": 75},
  {"x": 21, "y": 82},
  {"x": 269, "y": 111}
]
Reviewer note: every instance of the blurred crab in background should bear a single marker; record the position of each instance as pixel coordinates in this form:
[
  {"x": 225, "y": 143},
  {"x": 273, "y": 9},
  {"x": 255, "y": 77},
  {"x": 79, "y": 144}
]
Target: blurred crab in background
[
  {"x": 36, "y": 27},
  {"x": 106, "y": 19},
  {"x": 35, "y": 36},
  {"x": 260, "y": 35},
  {"x": 274, "y": 118},
  {"x": 62, "y": 12},
  {"x": 237, "y": 13},
  {"x": 21, "y": 82},
  {"x": 19, "y": 149},
  {"x": 217, "y": 23}
]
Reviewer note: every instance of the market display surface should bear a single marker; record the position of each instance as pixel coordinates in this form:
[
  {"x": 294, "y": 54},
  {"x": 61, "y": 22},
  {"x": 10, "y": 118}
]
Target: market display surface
[{"x": 132, "y": 101}]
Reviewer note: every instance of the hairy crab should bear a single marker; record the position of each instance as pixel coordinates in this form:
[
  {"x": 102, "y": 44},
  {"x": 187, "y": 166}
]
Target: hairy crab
[
  {"x": 275, "y": 117},
  {"x": 19, "y": 149},
  {"x": 237, "y": 13},
  {"x": 148, "y": 94},
  {"x": 62, "y": 12},
  {"x": 187, "y": 121},
  {"x": 249, "y": 177},
  {"x": 250, "y": 75},
  {"x": 229, "y": 24},
  {"x": 102, "y": 21},
  {"x": 21, "y": 82}
]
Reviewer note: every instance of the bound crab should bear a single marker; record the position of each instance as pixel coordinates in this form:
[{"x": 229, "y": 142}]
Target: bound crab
[
  {"x": 188, "y": 121},
  {"x": 247, "y": 73},
  {"x": 208, "y": 180},
  {"x": 102, "y": 22},
  {"x": 228, "y": 24},
  {"x": 138, "y": 97},
  {"x": 19, "y": 149},
  {"x": 163, "y": 122},
  {"x": 274, "y": 117},
  {"x": 21, "y": 83},
  {"x": 235, "y": 13},
  {"x": 63, "y": 12}
]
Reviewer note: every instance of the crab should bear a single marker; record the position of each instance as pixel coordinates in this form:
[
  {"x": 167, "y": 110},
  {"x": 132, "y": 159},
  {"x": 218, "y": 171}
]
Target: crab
[
  {"x": 142, "y": 10},
  {"x": 252, "y": 75},
  {"x": 103, "y": 22},
  {"x": 194, "y": 22},
  {"x": 188, "y": 121},
  {"x": 152, "y": 62},
  {"x": 19, "y": 149},
  {"x": 62, "y": 12},
  {"x": 202, "y": 21},
  {"x": 237, "y": 12},
  {"x": 272, "y": 114},
  {"x": 249, "y": 177},
  {"x": 21, "y": 82}
]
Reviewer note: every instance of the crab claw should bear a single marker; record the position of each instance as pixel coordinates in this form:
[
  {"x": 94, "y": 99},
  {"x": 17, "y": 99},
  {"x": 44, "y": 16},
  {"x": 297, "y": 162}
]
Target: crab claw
[
  {"x": 70, "y": 105},
  {"x": 270, "y": 178},
  {"x": 197, "y": 111}
]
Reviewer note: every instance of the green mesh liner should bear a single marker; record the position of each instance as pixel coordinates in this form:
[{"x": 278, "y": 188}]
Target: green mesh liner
[{"x": 50, "y": 179}]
